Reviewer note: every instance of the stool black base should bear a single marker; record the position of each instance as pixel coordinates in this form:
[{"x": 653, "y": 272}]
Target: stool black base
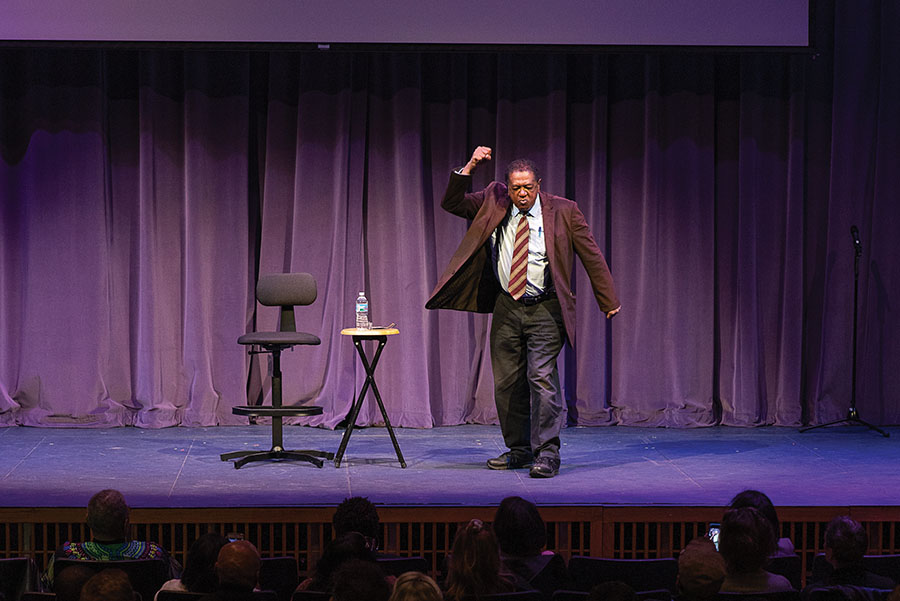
[{"x": 277, "y": 452}]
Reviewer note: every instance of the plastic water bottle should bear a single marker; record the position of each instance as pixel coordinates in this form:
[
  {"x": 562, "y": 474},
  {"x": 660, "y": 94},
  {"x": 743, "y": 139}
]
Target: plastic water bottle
[{"x": 362, "y": 311}]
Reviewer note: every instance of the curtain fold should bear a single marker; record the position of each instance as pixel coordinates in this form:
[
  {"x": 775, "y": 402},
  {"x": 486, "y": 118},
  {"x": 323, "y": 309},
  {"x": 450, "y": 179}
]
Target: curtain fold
[
  {"x": 760, "y": 246},
  {"x": 145, "y": 190}
]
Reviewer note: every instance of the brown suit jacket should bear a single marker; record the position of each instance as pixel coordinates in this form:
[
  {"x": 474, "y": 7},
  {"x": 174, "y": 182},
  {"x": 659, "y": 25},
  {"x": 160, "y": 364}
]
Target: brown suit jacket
[{"x": 469, "y": 283}]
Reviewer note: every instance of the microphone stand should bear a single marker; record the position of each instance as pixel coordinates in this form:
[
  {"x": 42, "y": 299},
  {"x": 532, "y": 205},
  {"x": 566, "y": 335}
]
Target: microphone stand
[{"x": 852, "y": 413}]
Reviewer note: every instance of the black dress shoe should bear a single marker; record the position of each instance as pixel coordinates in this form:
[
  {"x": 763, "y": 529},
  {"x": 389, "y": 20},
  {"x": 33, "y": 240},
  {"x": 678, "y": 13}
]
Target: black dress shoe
[
  {"x": 508, "y": 461},
  {"x": 544, "y": 467}
]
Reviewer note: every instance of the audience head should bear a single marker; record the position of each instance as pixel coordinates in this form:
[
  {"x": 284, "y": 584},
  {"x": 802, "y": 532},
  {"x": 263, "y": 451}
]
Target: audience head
[
  {"x": 67, "y": 584},
  {"x": 474, "y": 567},
  {"x": 746, "y": 540},
  {"x": 761, "y": 503},
  {"x": 199, "y": 575},
  {"x": 108, "y": 585},
  {"x": 519, "y": 529},
  {"x": 357, "y": 514},
  {"x": 701, "y": 570},
  {"x": 416, "y": 586},
  {"x": 237, "y": 566},
  {"x": 894, "y": 594},
  {"x": 107, "y": 516},
  {"x": 614, "y": 590},
  {"x": 846, "y": 541},
  {"x": 346, "y": 547},
  {"x": 359, "y": 580}
]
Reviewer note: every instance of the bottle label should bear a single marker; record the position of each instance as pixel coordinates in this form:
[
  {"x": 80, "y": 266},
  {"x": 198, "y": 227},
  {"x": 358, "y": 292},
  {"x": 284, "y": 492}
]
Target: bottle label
[{"x": 362, "y": 307}]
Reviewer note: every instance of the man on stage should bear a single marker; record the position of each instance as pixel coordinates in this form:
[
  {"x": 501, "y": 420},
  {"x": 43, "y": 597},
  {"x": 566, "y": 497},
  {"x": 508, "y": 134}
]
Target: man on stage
[{"x": 516, "y": 262}]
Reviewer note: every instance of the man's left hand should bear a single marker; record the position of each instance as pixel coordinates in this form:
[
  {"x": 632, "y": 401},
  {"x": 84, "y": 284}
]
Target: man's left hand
[{"x": 610, "y": 314}]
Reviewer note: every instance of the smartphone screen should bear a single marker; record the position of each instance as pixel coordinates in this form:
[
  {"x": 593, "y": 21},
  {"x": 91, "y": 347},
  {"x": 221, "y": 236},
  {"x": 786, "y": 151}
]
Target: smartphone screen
[{"x": 713, "y": 534}]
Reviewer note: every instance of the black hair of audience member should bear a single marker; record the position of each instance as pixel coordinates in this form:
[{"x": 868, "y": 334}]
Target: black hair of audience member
[
  {"x": 68, "y": 583},
  {"x": 519, "y": 529},
  {"x": 360, "y": 580},
  {"x": 474, "y": 566},
  {"x": 614, "y": 590},
  {"x": 199, "y": 575},
  {"x": 345, "y": 548},
  {"x": 760, "y": 502},
  {"x": 746, "y": 540},
  {"x": 110, "y": 584},
  {"x": 356, "y": 514},
  {"x": 847, "y": 541}
]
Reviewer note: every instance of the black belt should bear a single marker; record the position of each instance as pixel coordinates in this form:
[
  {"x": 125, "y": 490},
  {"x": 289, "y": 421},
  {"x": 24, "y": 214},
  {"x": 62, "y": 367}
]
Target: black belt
[{"x": 529, "y": 301}]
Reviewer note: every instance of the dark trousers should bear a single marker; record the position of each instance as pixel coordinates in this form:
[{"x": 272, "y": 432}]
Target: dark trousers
[{"x": 525, "y": 342}]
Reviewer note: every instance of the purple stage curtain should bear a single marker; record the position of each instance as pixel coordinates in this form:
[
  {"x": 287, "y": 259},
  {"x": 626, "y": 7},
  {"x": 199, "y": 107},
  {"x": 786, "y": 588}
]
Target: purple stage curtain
[{"x": 144, "y": 190}]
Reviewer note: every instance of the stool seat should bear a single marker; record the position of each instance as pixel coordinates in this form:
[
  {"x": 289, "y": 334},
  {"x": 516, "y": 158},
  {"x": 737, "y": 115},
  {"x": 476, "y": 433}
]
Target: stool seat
[
  {"x": 278, "y": 338},
  {"x": 268, "y": 411}
]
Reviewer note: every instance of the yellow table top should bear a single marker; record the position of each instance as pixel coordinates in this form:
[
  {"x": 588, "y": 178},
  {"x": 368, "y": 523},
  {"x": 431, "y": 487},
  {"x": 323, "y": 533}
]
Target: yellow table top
[{"x": 369, "y": 332}]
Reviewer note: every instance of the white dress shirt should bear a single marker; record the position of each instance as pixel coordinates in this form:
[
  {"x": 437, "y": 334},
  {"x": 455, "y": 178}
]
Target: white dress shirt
[{"x": 503, "y": 239}]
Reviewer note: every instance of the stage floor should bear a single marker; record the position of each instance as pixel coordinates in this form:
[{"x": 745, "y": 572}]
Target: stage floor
[{"x": 180, "y": 467}]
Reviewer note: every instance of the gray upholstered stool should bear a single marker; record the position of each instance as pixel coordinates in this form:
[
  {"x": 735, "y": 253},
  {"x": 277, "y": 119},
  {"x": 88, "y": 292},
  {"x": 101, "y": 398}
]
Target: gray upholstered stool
[{"x": 285, "y": 290}]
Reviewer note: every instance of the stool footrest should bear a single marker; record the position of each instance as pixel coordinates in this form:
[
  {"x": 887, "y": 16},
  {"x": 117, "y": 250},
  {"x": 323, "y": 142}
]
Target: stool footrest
[{"x": 267, "y": 411}]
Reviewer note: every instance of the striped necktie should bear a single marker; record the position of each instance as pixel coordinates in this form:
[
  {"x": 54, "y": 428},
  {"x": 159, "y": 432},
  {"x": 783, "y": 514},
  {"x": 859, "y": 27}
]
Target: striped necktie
[{"x": 518, "y": 270}]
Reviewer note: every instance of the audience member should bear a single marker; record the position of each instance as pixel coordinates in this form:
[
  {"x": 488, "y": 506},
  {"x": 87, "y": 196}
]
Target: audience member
[
  {"x": 68, "y": 583},
  {"x": 746, "y": 542},
  {"x": 522, "y": 535},
  {"x": 701, "y": 571},
  {"x": 108, "y": 585},
  {"x": 474, "y": 566},
  {"x": 416, "y": 586},
  {"x": 344, "y": 548},
  {"x": 237, "y": 572},
  {"x": 763, "y": 504},
  {"x": 357, "y": 514},
  {"x": 199, "y": 575},
  {"x": 108, "y": 518},
  {"x": 360, "y": 580},
  {"x": 614, "y": 590},
  {"x": 846, "y": 543}
]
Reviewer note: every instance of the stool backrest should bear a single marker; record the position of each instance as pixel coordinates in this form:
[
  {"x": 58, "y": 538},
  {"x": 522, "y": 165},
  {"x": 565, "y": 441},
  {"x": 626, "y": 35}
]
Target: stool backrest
[
  {"x": 286, "y": 290},
  {"x": 279, "y": 289}
]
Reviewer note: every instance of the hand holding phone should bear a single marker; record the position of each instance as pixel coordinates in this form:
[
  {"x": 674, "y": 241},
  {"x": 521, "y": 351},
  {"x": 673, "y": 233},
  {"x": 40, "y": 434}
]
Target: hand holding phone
[{"x": 713, "y": 534}]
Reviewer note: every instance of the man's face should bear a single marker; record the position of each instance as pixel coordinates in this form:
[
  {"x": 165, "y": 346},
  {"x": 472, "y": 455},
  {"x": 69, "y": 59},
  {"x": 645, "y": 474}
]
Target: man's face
[{"x": 523, "y": 189}]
